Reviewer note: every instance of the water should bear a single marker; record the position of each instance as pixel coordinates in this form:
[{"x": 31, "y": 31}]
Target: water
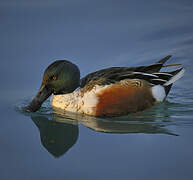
[{"x": 155, "y": 144}]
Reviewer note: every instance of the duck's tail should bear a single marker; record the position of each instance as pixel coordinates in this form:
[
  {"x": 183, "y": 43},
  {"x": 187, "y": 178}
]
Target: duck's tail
[
  {"x": 160, "y": 91},
  {"x": 177, "y": 74}
]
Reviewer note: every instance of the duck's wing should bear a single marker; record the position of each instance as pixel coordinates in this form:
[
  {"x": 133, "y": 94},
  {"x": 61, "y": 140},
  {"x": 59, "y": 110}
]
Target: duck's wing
[{"x": 114, "y": 74}]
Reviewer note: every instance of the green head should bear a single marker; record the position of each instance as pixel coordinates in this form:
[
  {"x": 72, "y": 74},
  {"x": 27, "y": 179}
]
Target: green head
[{"x": 60, "y": 77}]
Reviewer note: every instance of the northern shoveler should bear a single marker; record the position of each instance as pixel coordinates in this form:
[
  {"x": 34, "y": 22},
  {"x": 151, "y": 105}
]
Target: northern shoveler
[{"x": 107, "y": 92}]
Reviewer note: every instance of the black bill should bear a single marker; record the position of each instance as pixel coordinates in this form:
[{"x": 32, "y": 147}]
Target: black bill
[{"x": 37, "y": 101}]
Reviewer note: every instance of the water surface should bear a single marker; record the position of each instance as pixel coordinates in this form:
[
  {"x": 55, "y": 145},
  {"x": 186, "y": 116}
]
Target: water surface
[{"x": 155, "y": 144}]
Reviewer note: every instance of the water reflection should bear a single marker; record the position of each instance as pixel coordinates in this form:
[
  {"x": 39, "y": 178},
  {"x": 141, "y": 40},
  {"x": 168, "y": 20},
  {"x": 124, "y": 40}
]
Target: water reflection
[
  {"x": 56, "y": 137},
  {"x": 59, "y": 131},
  {"x": 136, "y": 123}
]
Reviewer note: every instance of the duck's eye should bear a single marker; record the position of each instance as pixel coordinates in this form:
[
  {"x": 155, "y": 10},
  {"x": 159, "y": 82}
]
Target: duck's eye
[{"x": 54, "y": 78}]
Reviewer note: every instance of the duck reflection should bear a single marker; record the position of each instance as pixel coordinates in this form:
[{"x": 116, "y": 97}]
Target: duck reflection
[
  {"x": 145, "y": 123},
  {"x": 56, "y": 137},
  {"x": 59, "y": 131}
]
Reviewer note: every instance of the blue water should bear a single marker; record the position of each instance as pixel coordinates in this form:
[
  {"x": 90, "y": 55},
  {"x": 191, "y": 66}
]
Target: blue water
[{"x": 51, "y": 144}]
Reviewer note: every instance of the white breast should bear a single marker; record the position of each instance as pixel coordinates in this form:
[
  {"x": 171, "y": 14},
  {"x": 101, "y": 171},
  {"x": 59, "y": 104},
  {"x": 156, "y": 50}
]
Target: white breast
[{"x": 77, "y": 101}]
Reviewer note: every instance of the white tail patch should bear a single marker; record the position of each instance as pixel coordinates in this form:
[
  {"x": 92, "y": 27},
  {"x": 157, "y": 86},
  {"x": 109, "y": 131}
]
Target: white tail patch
[
  {"x": 159, "y": 93},
  {"x": 175, "y": 78}
]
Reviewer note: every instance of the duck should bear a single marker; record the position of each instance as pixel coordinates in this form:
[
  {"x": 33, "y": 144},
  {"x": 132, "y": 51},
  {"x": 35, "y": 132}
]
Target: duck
[{"x": 112, "y": 91}]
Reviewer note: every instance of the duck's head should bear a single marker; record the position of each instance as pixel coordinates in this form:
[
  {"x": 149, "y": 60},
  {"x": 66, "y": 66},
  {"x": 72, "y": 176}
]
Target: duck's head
[{"x": 60, "y": 77}]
